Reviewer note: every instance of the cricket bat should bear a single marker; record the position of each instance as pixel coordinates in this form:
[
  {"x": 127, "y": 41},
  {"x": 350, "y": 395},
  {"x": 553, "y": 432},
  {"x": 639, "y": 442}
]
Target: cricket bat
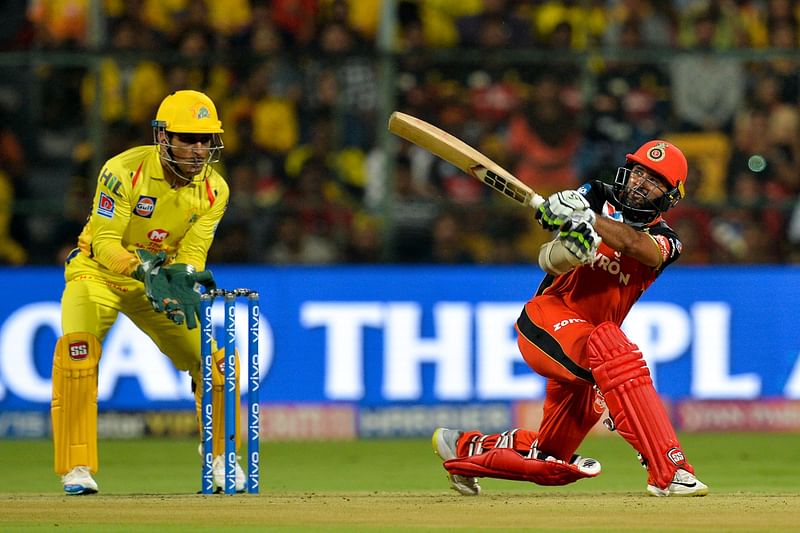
[{"x": 463, "y": 156}]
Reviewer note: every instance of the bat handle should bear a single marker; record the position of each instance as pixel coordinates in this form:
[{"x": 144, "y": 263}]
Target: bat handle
[{"x": 536, "y": 201}]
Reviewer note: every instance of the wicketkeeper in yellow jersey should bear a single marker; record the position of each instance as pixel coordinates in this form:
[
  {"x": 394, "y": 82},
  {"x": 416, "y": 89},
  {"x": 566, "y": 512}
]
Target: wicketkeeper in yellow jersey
[{"x": 142, "y": 253}]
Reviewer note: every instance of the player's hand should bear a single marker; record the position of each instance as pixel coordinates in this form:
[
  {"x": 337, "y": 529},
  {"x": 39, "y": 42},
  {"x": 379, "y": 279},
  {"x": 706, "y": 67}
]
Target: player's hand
[
  {"x": 580, "y": 238},
  {"x": 559, "y": 207},
  {"x": 156, "y": 284},
  {"x": 184, "y": 283}
]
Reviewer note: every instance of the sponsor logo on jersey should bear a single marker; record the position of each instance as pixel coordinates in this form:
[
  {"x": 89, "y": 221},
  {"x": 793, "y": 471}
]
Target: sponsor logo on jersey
[
  {"x": 105, "y": 206},
  {"x": 145, "y": 206},
  {"x": 611, "y": 212},
  {"x": 111, "y": 182},
  {"x": 157, "y": 235},
  {"x": 612, "y": 266},
  {"x": 566, "y": 322},
  {"x": 78, "y": 351},
  {"x": 664, "y": 245}
]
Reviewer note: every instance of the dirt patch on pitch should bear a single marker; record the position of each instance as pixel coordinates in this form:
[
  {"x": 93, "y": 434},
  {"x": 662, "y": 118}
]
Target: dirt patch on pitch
[{"x": 379, "y": 511}]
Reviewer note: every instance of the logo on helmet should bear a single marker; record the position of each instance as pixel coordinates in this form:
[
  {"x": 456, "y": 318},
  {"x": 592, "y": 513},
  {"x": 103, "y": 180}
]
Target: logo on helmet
[
  {"x": 657, "y": 152},
  {"x": 202, "y": 112}
]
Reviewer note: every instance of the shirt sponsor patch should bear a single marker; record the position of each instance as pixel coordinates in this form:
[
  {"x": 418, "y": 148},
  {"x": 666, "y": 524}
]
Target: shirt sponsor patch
[
  {"x": 663, "y": 245},
  {"x": 105, "y": 206},
  {"x": 145, "y": 206},
  {"x": 611, "y": 212},
  {"x": 157, "y": 235}
]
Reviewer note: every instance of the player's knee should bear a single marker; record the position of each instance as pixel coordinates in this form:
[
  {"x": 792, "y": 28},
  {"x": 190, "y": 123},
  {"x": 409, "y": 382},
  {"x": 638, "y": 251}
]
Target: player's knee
[
  {"x": 613, "y": 358},
  {"x": 77, "y": 351}
]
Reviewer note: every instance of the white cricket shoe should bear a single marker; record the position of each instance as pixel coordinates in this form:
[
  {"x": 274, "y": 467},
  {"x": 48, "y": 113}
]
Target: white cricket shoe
[
  {"x": 587, "y": 465},
  {"x": 683, "y": 484},
  {"x": 218, "y": 468},
  {"x": 79, "y": 481},
  {"x": 444, "y": 445}
]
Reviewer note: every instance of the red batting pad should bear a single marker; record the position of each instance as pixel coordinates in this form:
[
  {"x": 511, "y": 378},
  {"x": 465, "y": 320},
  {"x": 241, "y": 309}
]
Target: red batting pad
[
  {"x": 640, "y": 418},
  {"x": 505, "y": 463}
]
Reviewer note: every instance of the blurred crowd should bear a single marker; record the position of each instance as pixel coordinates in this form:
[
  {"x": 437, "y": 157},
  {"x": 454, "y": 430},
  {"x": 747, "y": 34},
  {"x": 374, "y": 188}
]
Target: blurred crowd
[{"x": 556, "y": 92}]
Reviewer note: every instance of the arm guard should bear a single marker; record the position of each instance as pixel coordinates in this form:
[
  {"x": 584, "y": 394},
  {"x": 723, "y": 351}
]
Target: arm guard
[{"x": 555, "y": 259}]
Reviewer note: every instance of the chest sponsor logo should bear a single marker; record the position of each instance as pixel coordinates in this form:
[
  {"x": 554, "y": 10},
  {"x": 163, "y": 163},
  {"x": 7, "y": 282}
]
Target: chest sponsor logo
[
  {"x": 612, "y": 266},
  {"x": 145, "y": 206},
  {"x": 105, "y": 206},
  {"x": 157, "y": 235}
]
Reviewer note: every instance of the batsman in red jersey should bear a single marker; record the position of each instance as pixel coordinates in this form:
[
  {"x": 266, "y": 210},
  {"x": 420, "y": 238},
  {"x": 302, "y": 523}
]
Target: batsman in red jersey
[{"x": 612, "y": 244}]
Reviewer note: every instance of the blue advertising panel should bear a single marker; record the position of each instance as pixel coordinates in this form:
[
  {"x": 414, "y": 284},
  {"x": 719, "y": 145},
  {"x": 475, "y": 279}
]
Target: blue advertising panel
[{"x": 378, "y": 336}]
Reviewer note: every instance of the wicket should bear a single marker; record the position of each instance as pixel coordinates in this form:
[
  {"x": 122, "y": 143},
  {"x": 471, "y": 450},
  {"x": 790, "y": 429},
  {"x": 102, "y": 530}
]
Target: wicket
[{"x": 253, "y": 410}]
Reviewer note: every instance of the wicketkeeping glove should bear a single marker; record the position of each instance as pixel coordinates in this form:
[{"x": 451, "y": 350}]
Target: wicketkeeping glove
[
  {"x": 580, "y": 238},
  {"x": 183, "y": 284},
  {"x": 156, "y": 283},
  {"x": 557, "y": 209}
]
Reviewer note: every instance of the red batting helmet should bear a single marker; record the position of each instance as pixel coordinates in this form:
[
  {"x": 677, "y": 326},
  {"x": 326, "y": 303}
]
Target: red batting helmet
[{"x": 663, "y": 159}]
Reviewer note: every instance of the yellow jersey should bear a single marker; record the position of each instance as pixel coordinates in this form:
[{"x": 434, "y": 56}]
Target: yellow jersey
[{"x": 134, "y": 207}]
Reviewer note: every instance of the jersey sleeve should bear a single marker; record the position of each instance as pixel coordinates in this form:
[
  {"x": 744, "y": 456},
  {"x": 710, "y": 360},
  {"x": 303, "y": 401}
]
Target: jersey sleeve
[
  {"x": 111, "y": 213},
  {"x": 669, "y": 245},
  {"x": 193, "y": 249}
]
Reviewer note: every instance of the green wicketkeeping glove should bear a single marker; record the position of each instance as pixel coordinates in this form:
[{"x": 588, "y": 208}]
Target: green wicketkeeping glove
[
  {"x": 156, "y": 283},
  {"x": 182, "y": 281}
]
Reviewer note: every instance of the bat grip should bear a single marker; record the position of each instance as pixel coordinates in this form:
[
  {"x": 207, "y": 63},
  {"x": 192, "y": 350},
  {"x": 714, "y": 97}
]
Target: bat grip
[{"x": 536, "y": 201}]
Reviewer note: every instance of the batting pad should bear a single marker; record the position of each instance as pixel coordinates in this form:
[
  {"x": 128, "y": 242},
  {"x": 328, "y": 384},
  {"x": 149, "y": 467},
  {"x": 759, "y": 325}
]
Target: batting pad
[
  {"x": 74, "y": 406},
  {"x": 218, "y": 403},
  {"x": 505, "y": 463},
  {"x": 639, "y": 416}
]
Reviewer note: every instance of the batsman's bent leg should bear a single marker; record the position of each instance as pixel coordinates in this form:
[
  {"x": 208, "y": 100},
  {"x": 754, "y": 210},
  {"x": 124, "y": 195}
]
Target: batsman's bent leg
[{"x": 639, "y": 415}]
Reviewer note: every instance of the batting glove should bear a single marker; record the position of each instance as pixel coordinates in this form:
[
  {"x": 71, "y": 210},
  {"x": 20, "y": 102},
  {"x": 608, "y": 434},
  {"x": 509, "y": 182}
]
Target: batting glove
[
  {"x": 557, "y": 209},
  {"x": 580, "y": 238}
]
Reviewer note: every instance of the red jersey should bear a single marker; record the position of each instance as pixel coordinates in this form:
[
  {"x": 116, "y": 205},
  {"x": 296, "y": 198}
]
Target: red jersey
[{"x": 606, "y": 289}]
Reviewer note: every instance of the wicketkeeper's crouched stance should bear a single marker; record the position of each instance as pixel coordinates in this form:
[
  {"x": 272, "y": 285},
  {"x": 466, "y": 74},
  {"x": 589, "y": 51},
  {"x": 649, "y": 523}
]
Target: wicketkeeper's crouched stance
[
  {"x": 142, "y": 253},
  {"x": 612, "y": 244}
]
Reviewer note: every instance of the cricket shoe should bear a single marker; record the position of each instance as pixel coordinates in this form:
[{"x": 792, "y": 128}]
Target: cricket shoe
[
  {"x": 444, "y": 445},
  {"x": 79, "y": 481},
  {"x": 218, "y": 469},
  {"x": 683, "y": 484}
]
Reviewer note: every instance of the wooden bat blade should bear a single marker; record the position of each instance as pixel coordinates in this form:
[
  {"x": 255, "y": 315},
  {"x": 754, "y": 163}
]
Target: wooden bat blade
[{"x": 457, "y": 152}]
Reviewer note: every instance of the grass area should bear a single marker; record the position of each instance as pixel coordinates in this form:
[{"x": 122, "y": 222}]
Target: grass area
[{"x": 398, "y": 484}]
